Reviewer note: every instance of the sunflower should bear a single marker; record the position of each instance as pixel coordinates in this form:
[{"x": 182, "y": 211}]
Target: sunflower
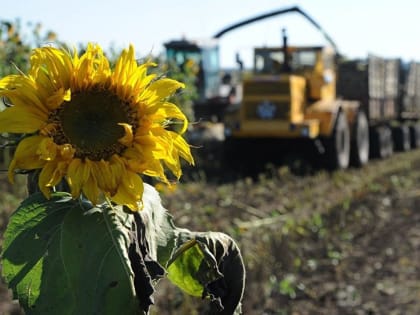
[{"x": 97, "y": 127}]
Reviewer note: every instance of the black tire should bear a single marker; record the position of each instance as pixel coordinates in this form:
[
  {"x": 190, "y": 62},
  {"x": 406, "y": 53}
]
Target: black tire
[
  {"x": 238, "y": 157},
  {"x": 389, "y": 143},
  {"x": 381, "y": 142},
  {"x": 359, "y": 149},
  {"x": 415, "y": 136},
  {"x": 230, "y": 153},
  {"x": 401, "y": 138},
  {"x": 337, "y": 147}
]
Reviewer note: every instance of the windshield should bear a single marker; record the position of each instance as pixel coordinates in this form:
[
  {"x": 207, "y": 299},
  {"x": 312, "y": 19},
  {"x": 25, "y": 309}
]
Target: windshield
[
  {"x": 182, "y": 56},
  {"x": 272, "y": 61}
]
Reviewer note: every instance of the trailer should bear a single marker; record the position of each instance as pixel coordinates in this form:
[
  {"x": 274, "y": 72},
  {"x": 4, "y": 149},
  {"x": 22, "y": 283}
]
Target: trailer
[
  {"x": 387, "y": 90},
  {"x": 410, "y": 101}
]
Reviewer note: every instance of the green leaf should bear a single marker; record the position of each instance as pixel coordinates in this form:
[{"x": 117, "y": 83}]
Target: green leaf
[
  {"x": 160, "y": 232},
  {"x": 60, "y": 257},
  {"x": 189, "y": 268}
]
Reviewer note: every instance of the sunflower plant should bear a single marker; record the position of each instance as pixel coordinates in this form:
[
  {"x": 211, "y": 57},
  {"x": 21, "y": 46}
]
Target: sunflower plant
[{"x": 92, "y": 237}]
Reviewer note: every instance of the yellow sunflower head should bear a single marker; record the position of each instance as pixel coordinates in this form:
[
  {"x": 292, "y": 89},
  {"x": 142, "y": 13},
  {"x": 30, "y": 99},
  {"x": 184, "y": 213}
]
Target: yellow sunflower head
[{"x": 98, "y": 128}]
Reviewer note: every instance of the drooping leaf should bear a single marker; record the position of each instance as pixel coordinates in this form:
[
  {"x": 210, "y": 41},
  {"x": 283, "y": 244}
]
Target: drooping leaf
[
  {"x": 221, "y": 272},
  {"x": 207, "y": 264},
  {"x": 60, "y": 257},
  {"x": 160, "y": 232}
]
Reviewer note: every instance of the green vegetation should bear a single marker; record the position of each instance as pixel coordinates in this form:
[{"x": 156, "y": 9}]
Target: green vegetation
[{"x": 15, "y": 45}]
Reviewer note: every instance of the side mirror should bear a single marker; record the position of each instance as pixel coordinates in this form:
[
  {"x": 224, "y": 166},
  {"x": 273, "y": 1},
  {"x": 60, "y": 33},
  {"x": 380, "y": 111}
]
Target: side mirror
[{"x": 239, "y": 62}]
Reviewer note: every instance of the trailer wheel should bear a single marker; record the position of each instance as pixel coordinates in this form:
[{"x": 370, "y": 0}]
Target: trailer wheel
[
  {"x": 359, "y": 149},
  {"x": 401, "y": 138},
  {"x": 415, "y": 136},
  {"x": 381, "y": 142},
  {"x": 389, "y": 143},
  {"x": 337, "y": 147}
]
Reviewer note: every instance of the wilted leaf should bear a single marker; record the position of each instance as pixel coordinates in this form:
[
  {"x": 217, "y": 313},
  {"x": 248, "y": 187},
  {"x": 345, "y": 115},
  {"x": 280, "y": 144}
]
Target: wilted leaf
[
  {"x": 206, "y": 264},
  {"x": 223, "y": 257}
]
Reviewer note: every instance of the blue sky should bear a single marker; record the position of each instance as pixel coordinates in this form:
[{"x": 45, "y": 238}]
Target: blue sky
[{"x": 383, "y": 27}]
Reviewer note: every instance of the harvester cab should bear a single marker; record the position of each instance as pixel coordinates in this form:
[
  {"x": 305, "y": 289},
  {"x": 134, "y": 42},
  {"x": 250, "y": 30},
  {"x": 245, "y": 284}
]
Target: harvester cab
[
  {"x": 214, "y": 90},
  {"x": 205, "y": 56},
  {"x": 313, "y": 64}
]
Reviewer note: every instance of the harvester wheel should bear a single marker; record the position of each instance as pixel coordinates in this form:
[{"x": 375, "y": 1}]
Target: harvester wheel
[
  {"x": 229, "y": 153},
  {"x": 337, "y": 147},
  {"x": 234, "y": 157},
  {"x": 359, "y": 149},
  {"x": 401, "y": 137}
]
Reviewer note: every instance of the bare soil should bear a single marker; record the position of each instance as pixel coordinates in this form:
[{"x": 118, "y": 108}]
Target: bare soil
[{"x": 346, "y": 242}]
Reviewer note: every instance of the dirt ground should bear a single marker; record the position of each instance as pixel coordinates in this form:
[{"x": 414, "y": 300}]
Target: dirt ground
[
  {"x": 337, "y": 243},
  {"x": 328, "y": 243}
]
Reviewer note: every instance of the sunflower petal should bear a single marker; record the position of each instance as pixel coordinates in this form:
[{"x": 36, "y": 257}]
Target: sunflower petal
[
  {"x": 127, "y": 139},
  {"x": 51, "y": 174},
  {"x": 182, "y": 147},
  {"x": 23, "y": 92},
  {"x": 19, "y": 120},
  {"x": 47, "y": 149},
  {"x": 161, "y": 89},
  {"x": 58, "y": 97},
  {"x": 91, "y": 190},
  {"x": 130, "y": 192},
  {"x": 77, "y": 174},
  {"x": 101, "y": 170},
  {"x": 167, "y": 111},
  {"x": 26, "y": 156},
  {"x": 59, "y": 65}
]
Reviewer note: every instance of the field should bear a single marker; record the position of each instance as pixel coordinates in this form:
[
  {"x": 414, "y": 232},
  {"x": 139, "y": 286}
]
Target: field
[{"x": 346, "y": 242}]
